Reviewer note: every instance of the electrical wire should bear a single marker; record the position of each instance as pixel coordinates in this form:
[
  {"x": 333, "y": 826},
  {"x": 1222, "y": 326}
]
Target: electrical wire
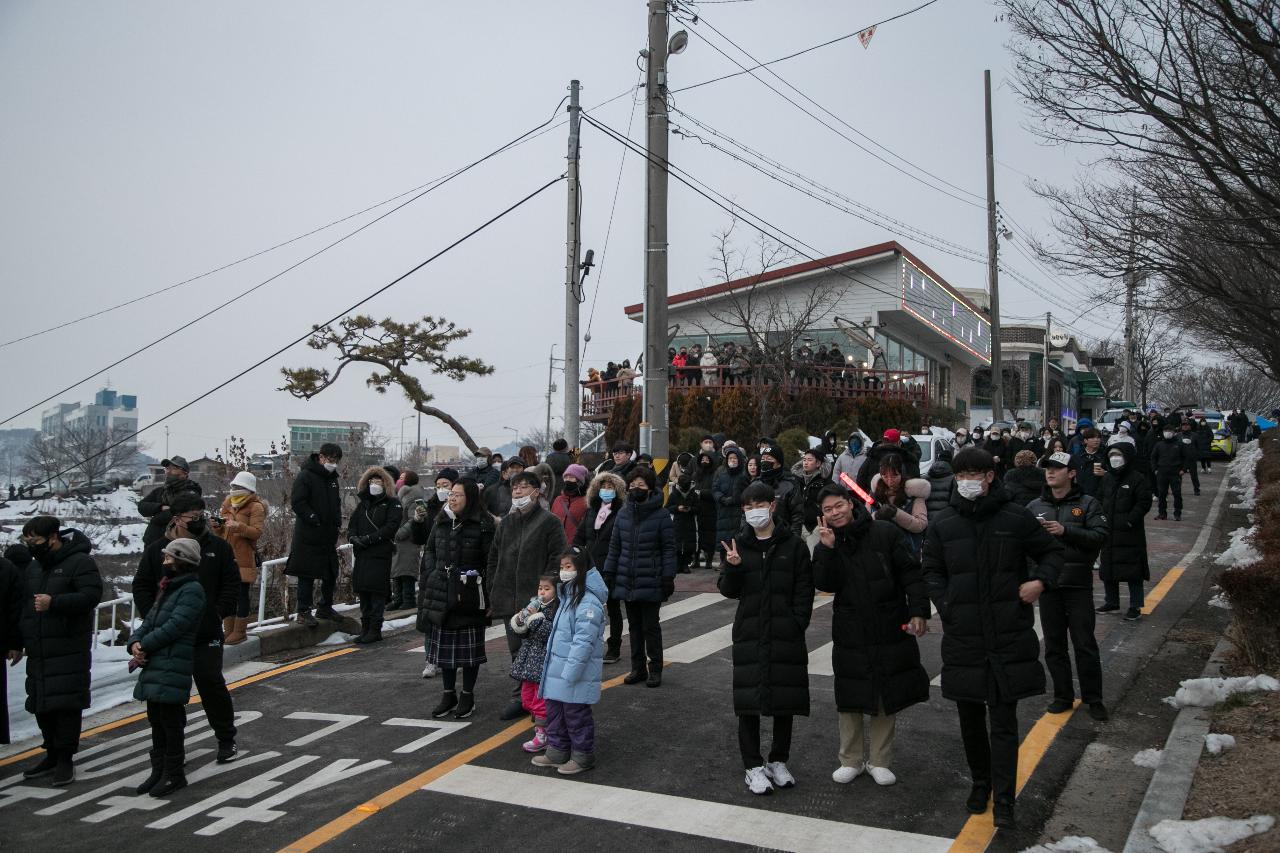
[
  {"x": 226, "y": 304},
  {"x": 335, "y": 318},
  {"x": 978, "y": 202},
  {"x": 608, "y": 231}
]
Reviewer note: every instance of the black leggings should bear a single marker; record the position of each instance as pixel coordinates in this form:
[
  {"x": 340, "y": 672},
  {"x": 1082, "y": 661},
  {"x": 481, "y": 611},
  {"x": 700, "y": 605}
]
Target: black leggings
[
  {"x": 469, "y": 675},
  {"x": 242, "y": 600}
]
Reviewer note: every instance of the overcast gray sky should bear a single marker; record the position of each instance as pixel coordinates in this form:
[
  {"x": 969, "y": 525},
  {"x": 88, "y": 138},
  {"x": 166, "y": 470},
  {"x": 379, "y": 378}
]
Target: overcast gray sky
[{"x": 147, "y": 142}]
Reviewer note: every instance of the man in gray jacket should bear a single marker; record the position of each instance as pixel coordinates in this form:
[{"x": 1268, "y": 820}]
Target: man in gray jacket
[
  {"x": 527, "y": 544},
  {"x": 1066, "y": 610},
  {"x": 855, "y": 453}
]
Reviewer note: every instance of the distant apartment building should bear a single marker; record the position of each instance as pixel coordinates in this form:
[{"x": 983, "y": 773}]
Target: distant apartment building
[
  {"x": 110, "y": 412},
  {"x": 306, "y": 436}
]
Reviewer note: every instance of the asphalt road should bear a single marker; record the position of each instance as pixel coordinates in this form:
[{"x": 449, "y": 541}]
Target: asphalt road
[{"x": 339, "y": 752}]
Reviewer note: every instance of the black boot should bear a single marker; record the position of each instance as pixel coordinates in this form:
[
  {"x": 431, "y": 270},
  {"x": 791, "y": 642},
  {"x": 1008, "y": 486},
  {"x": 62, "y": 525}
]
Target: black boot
[
  {"x": 43, "y": 767},
  {"x": 978, "y": 796},
  {"x": 174, "y": 777},
  {"x": 157, "y": 770},
  {"x": 65, "y": 772},
  {"x": 1002, "y": 814},
  {"x": 363, "y": 636},
  {"x": 613, "y": 650},
  {"x": 374, "y": 634},
  {"x": 447, "y": 703},
  {"x": 410, "y": 593}
]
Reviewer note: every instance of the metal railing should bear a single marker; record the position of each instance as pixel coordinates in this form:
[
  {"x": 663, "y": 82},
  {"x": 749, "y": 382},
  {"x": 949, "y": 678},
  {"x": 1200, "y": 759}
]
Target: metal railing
[
  {"x": 266, "y": 567},
  {"x": 112, "y": 605}
]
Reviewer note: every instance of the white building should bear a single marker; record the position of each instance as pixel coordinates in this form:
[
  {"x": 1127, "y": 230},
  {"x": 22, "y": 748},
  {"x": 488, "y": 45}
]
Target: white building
[{"x": 109, "y": 412}]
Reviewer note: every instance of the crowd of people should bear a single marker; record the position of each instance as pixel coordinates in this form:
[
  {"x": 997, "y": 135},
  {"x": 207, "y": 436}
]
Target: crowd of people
[{"x": 997, "y": 522}]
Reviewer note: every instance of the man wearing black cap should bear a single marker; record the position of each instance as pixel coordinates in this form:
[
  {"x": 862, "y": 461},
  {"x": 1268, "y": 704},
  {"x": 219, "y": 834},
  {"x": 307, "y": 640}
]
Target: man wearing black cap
[
  {"x": 155, "y": 507},
  {"x": 1077, "y": 521},
  {"x": 220, "y": 577}
]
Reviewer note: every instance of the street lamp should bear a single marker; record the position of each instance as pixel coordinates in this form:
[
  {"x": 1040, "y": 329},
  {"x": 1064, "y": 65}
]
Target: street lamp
[
  {"x": 516, "y": 437},
  {"x": 402, "y": 420}
]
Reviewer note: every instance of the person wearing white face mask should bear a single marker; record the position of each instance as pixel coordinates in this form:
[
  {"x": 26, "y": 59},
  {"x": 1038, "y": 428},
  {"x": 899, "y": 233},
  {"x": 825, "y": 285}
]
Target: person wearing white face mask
[
  {"x": 316, "y": 500},
  {"x": 1126, "y": 500},
  {"x": 986, "y": 561},
  {"x": 527, "y": 544},
  {"x": 371, "y": 532},
  {"x": 767, "y": 571},
  {"x": 1170, "y": 459}
]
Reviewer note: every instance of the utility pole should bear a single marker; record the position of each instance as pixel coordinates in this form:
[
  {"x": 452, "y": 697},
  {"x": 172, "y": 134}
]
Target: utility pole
[
  {"x": 572, "y": 280},
  {"x": 653, "y": 428},
  {"x": 166, "y": 442},
  {"x": 1130, "y": 286},
  {"x": 993, "y": 266},
  {"x": 551, "y": 389},
  {"x": 1044, "y": 382}
]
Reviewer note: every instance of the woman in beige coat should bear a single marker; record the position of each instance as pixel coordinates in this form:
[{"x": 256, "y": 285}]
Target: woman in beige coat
[{"x": 244, "y": 517}]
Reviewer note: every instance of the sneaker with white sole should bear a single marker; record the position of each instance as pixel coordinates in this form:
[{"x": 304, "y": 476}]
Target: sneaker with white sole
[
  {"x": 882, "y": 775},
  {"x": 430, "y": 670},
  {"x": 758, "y": 781},
  {"x": 779, "y": 775},
  {"x": 845, "y": 775},
  {"x": 538, "y": 742}
]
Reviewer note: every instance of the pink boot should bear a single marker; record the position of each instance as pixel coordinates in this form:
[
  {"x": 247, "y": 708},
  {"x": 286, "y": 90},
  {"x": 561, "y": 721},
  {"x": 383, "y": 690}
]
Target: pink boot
[{"x": 538, "y": 742}]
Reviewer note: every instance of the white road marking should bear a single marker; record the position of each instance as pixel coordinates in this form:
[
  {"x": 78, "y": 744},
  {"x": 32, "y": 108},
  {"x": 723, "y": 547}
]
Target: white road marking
[
  {"x": 699, "y": 818},
  {"x": 713, "y": 641},
  {"x": 118, "y": 805},
  {"x": 246, "y": 790},
  {"x": 339, "y": 722},
  {"x": 820, "y": 660},
  {"x": 443, "y": 729}
]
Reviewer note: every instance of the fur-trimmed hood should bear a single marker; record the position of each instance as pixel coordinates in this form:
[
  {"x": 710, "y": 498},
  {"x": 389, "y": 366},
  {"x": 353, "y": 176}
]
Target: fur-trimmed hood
[
  {"x": 388, "y": 485},
  {"x": 606, "y": 478},
  {"x": 914, "y": 487}
]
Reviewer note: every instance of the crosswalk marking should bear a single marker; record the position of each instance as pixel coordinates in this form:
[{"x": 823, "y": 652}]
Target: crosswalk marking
[
  {"x": 713, "y": 641},
  {"x": 701, "y": 818}
]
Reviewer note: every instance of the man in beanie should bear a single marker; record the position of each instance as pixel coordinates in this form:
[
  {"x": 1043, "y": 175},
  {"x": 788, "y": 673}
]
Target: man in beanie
[
  {"x": 220, "y": 577},
  {"x": 773, "y": 473},
  {"x": 156, "y": 507},
  {"x": 559, "y": 458},
  {"x": 570, "y": 506}
]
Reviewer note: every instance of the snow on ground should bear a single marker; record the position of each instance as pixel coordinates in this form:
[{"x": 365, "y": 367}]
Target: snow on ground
[
  {"x": 1220, "y": 600},
  {"x": 1070, "y": 844},
  {"x": 1244, "y": 472},
  {"x": 1218, "y": 744},
  {"x": 112, "y": 686},
  {"x": 337, "y": 638},
  {"x": 1149, "y": 758},
  {"x": 111, "y": 521},
  {"x": 1210, "y": 835},
  {"x": 1207, "y": 692},
  {"x": 1240, "y": 552}
]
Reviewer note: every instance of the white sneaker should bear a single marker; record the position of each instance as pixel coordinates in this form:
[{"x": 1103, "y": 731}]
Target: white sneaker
[
  {"x": 779, "y": 775},
  {"x": 845, "y": 775},
  {"x": 758, "y": 781},
  {"x": 882, "y": 775},
  {"x": 430, "y": 670}
]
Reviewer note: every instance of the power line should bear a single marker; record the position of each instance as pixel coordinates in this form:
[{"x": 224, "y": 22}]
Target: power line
[
  {"x": 473, "y": 232},
  {"x": 977, "y": 202},
  {"x": 525, "y": 138},
  {"x": 282, "y": 272}
]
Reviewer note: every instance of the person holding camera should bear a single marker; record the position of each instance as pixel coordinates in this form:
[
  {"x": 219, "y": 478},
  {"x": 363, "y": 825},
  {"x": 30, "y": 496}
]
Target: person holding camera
[{"x": 220, "y": 577}]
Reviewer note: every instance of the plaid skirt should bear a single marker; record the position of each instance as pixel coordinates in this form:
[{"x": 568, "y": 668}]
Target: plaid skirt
[{"x": 452, "y": 648}]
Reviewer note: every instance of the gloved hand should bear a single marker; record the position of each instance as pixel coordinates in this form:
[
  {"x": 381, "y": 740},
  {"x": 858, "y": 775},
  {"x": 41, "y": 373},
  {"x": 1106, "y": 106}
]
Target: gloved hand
[
  {"x": 359, "y": 541},
  {"x": 668, "y": 587},
  {"x": 886, "y": 512}
]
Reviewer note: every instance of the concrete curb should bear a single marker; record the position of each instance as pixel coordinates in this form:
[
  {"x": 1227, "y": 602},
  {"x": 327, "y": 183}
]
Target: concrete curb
[
  {"x": 294, "y": 636},
  {"x": 1171, "y": 784}
]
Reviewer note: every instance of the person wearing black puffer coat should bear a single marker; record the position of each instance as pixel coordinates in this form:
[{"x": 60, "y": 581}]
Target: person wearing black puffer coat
[
  {"x": 767, "y": 571},
  {"x": 641, "y": 571},
  {"x": 316, "y": 499},
  {"x": 605, "y": 498},
  {"x": 730, "y": 482},
  {"x": 1126, "y": 500},
  {"x": 453, "y": 592},
  {"x": 61, "y": 590},
  {"x": 11, "y": 584},
  {"x": 941, "y": 478},
  {"x": 775, "y": 475},
  {"x": 371, "y": 530},
  {"x": 704, "y": 481},
  {"x": 879, "y": 592},
  {"x": 986, "y": 561}
]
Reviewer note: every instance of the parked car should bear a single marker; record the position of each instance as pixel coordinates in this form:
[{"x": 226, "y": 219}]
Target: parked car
[
  {"x": 929, "y": 444},
  {"x": 1224, "y": 444},
  {"x": 92, "y": 487}
]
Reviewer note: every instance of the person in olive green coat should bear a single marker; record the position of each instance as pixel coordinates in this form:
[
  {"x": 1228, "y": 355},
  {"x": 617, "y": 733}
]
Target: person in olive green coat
[{"x": 164, "y": 647}]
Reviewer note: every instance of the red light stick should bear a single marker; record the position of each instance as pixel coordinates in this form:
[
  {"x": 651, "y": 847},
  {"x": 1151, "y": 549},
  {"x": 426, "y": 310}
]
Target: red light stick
[{"x": 856, "y": 489}]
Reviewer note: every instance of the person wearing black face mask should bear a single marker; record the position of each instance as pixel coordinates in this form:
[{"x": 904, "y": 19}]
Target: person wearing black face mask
[
  {"x": 570, "y": 506},
  {"x": 640, "y": 571},
  {"x": 704, "y": 476},
  {"x": 62, "y": 587},
  {"x": 157, "y": 506},
  {"x": 220, "y": 578},
  {"x": 774, "y": 474}
]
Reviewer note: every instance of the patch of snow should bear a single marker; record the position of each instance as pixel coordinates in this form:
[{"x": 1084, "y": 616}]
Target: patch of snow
[
  {"x": 1149, "y": 758},
  {"x": 337, "y": 638},
  {"x": 1220, "y": 600},
  {"x": 111, "y": 521},
  {"x": 1070, "y": 844},
  {"x": 111, "y": 685},
  {"x": 1210, "y": 835},
  {"x": 400, "y": 623},
  {"x": 1240, "y": 552},
  {"x": 1206, "y": 692},
  {"x": 1218, "y": 744},
  {"x": 1244, "y": 472}
]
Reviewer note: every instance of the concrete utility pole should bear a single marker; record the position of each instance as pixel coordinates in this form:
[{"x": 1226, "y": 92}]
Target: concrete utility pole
[
  {"x": 1044, "y": 382},
  {"x": 551, "y": 389},
  {"x": 993, "y": 268},
  {"x": 572, "y": 279},
  {"x": 653, "y": 428}
]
